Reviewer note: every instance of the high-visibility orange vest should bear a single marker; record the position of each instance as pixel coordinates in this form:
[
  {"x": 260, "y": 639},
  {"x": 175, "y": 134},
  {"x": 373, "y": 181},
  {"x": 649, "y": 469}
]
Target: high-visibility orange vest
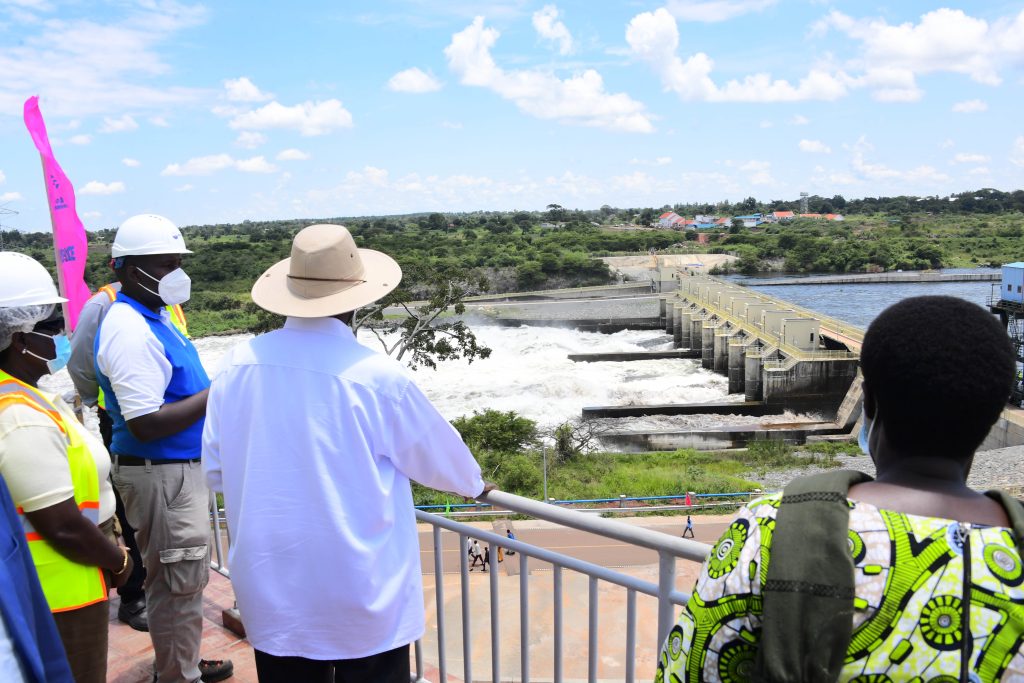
[
  {"x": 67, "y": 585},
  {"x": 177, "y": 316}
]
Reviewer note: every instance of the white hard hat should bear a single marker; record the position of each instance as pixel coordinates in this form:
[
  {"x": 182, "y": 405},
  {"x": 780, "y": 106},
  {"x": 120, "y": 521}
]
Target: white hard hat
[
  {"x": 25, "y": 282},
  {"x": 148, "y": 234}
]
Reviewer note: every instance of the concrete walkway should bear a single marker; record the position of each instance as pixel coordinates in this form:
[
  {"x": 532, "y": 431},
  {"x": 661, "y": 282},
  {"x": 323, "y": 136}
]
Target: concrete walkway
[{"x": 130, "y": 657}]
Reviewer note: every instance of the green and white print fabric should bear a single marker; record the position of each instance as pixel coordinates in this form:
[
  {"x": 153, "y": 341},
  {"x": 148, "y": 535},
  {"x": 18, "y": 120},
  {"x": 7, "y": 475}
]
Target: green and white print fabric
[{"x": 908, "y": 605}]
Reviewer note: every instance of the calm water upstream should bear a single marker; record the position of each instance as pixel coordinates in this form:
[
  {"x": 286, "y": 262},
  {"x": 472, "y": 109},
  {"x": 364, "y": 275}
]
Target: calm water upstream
[{"x": 858, "y": 304}]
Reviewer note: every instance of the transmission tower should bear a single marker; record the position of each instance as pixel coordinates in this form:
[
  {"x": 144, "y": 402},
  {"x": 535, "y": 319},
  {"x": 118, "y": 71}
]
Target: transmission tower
[{"x": 4, "y": 211}]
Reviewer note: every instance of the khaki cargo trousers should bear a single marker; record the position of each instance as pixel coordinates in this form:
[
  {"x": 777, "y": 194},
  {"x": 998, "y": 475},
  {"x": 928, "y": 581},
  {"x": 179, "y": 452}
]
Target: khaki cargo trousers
[{"x": 169, "y": 507}]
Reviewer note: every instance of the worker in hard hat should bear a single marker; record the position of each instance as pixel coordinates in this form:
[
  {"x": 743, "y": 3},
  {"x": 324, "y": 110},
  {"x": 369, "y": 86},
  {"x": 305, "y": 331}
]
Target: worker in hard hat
[
  {"x": 82, "y": 368},
  {"x": 155, "y": 390},
  {"x": 56, "y": 470}
]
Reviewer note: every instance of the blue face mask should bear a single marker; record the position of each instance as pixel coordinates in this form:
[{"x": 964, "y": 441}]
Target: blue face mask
[
  {"x": 62, "y": 350},
  {"x": 864, "y": 438}
]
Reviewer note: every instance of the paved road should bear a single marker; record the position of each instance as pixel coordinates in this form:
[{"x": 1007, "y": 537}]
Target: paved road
[{"x": 579, "y": 544}]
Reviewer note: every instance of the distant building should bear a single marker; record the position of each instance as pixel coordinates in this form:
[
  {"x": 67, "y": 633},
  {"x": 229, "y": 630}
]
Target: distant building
[
  {"x": 782, "y": 216},
  {"x": 750, "y": 221}
]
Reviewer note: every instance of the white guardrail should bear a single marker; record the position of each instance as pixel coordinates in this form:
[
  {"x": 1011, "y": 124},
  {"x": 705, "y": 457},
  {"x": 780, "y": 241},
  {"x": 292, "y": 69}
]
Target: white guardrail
[{"x": 668, "y": 548}]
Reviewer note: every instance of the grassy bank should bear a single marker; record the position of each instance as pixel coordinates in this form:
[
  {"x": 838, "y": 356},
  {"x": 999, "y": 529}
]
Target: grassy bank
[{"x": 663, "y": 473}]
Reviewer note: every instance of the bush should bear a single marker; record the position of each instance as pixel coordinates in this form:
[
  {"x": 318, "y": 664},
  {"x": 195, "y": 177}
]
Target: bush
[{"x": 494, "y": 430}]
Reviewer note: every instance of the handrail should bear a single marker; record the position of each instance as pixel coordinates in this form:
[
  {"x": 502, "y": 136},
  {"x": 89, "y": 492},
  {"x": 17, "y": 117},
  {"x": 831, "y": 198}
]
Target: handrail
[{"x": 574, "y": 519}]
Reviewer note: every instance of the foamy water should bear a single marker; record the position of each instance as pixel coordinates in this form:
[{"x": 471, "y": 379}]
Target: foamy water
[{"x": 529, "y": 372}]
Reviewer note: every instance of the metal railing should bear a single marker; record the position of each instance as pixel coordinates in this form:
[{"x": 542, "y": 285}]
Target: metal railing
[{"x": 668, "y": 548}]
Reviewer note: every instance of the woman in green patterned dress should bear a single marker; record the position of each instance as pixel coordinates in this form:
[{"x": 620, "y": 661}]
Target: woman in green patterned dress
[{"x": 938, "y": 583}]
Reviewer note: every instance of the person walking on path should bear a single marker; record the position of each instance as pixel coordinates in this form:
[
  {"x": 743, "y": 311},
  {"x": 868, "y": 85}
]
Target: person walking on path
[
  {"x": 82, "y": 368},
  {"x": 689, "y": 527},
  {"x": 476, "y": 554},
  {"x": 156, "y": 390},
  {"x": 313, "y": 439},
  {"x": 512, "y": 536}
]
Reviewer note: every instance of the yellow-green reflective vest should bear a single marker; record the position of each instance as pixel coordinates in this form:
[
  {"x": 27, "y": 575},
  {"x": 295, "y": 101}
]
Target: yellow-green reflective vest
[
  {"x": 67, "y": 585},
  {"x": 177, "y": 319}
]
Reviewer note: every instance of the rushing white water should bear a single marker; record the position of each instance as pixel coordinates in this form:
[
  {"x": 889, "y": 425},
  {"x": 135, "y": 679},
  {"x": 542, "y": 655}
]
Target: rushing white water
[{"x": 529, "y": 372}]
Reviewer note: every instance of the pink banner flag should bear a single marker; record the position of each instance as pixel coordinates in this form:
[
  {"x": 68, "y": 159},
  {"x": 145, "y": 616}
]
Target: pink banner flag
[{"x": 70, "y": 245}]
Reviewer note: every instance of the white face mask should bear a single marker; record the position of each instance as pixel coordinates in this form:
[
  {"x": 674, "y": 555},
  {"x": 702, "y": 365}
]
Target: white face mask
[{"x": 173, "y": 288}]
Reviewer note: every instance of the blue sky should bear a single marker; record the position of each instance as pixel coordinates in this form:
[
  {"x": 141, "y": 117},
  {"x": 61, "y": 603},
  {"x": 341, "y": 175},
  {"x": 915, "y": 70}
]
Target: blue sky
[{"x": 227, "y": 111}]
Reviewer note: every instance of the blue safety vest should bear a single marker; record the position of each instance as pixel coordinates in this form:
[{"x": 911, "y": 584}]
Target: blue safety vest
[{"x": 188, "y": 377}]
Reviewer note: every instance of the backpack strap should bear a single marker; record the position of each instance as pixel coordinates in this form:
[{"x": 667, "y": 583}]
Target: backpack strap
[
  {"x": 808, "y": 593},
  {"x": 1015, "y": 511}
]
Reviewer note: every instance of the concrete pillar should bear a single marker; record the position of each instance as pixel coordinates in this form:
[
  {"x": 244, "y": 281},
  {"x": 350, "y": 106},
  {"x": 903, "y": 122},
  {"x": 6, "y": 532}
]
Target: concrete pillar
[
  {"x": 752, "y": 367},
  {"x": 685, "y": 326},
  {"x": 662, "y": 303},
  {"x": 670, "y": 309},
  {"x": 721, "y": 347},
  {"x": 677, "y": 325},
  {"x": 736, "y": 365},
  {"x": 696, "y": 327},
  {"x": 707, "y": 345}
]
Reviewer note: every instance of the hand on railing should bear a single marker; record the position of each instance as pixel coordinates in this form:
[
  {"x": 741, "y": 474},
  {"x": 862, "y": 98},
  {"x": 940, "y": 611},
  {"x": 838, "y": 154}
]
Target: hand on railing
[{"x": 488, "y": 487}]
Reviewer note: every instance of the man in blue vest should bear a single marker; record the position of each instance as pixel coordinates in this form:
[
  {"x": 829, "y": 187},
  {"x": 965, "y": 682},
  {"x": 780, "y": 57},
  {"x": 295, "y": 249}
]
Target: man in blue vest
[{"x": 156, "y": 389}]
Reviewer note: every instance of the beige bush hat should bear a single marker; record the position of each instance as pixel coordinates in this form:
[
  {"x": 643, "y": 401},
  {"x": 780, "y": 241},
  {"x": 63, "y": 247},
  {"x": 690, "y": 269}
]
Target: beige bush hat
[{"x": 326, "y": 275}]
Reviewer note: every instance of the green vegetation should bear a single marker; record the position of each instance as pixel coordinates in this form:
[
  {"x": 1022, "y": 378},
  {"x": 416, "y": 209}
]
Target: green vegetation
[{"x": 509, "y": 251}]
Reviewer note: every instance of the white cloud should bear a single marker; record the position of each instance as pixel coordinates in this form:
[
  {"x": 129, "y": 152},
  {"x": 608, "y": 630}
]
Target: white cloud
[
  {"x": 944, "y": 40},
  {"x": 308, "y": 118},
  {"x": 187, "y": 187},
  {"x": 711, "y": 11},
  {"x": 91, "y": 214},
  {"x": 799, "y": 120},
  {"x": 653, "y": 37},
  {"x": 814, "y": 147},
  {"x": 657, "y": 161},
  {"x": 159, "y": 122},
  {"x": 200, "y": 165},
  {"x": 292, "y": 155},
  {"x": 118, "y": 125},
  {"x": 1017, "y": 151},
  {"x": 548, "y": 27},
  {"x": 96, "y": 187},
  {"x": 947, "y": 144},
  {"x": 979, "y": 171},
  {"x": 131, "y": 163},
  {"x": 218, "y": 162},
  {"x": 766, "y": 124},
  {"x": 414, "y": 80},
  {"x": 255, "y": 165},
  {"x": 970, "y": 107},
  {"x": 250, "y": 139},
  {"x": 80, "y": 139},
  {"x": 3, "y": 178},
  {"x": 244, "y": 90},
  {"x": 580, "y": 99},
  {"x": 454, "y": 125},
  {"x": 106, "y": 66},
  {"x": 759, "y": 172},
  {"x": 923, "y": 174},
  {"x": 966, "y": 158},
  {"x": 10, "y": 197}
]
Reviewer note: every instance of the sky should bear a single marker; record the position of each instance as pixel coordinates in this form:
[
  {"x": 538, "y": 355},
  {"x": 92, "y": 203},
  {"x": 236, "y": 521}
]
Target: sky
[{"x": 232, "y": 111}]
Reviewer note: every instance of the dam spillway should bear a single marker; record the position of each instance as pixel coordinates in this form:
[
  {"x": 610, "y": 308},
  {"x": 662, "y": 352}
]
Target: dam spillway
[{"x": 771, "y": 350}]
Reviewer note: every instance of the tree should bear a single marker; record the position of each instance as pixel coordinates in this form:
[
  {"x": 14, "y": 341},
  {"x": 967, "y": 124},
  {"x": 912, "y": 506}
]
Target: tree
[
  {"x": 576, "y": 437},
  {"x": 496, "y": 430},
  {"x": 421, "y": 333},
  {"x": 436, "y": 221},
  {"x": 556, "y": 212}
]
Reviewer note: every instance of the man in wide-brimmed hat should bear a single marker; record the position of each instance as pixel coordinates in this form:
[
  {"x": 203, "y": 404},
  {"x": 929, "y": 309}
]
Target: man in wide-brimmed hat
[{"x": 313, "y": 437}]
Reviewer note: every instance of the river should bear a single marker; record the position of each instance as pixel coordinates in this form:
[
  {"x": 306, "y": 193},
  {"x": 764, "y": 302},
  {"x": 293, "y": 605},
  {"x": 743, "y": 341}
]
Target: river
[
  {"x": 858, "y": 304},
  {"x": 529, "y": 371}
]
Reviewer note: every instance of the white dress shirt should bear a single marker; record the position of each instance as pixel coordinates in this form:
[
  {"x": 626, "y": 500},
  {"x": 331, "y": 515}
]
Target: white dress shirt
[{"x": 313, "y": 437}]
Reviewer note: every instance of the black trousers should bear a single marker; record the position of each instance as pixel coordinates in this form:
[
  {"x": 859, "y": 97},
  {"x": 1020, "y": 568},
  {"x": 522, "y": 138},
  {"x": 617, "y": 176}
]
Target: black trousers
[
  {"x": 387, "y": 667},
  {"x": 132, "y": 589}
]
